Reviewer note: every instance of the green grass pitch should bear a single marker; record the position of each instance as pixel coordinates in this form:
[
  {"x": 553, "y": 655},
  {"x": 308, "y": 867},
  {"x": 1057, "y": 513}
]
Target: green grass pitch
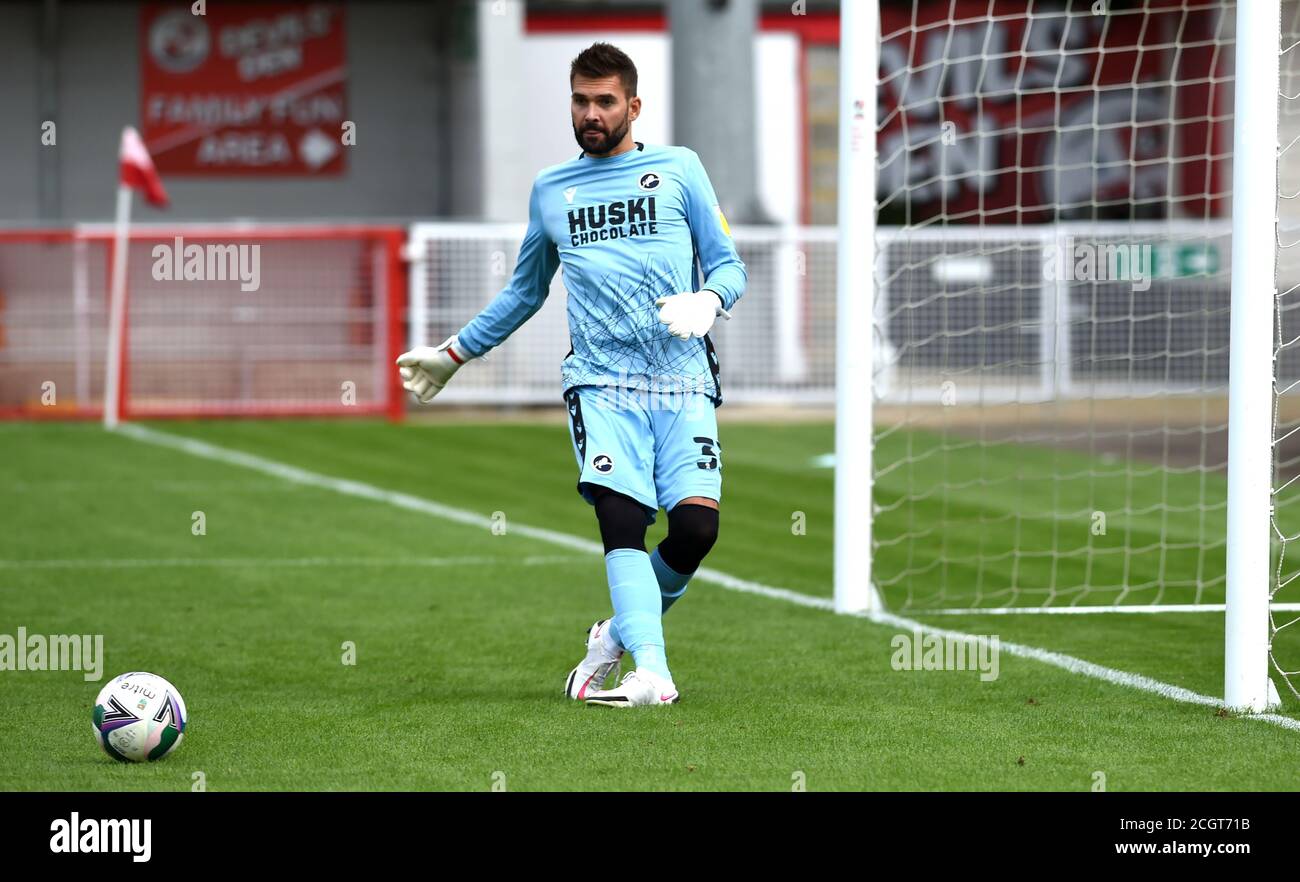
[{"x": 463, "y": 635}]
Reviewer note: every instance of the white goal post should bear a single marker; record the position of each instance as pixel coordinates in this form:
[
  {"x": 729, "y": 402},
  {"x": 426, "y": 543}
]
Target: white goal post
[
  {"x": 1251, "y": 393},
  {"x": 855, "y": 310}
]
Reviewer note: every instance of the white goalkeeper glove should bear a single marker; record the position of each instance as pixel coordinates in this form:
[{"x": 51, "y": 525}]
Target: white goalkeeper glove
[
  {"x": 426, "y": 369},
  {"x": 690, "y": 314}
]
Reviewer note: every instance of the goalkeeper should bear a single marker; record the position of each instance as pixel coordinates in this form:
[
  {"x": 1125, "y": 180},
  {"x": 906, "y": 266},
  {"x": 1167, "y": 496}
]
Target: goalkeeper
[{"x": 627, "y": 222}]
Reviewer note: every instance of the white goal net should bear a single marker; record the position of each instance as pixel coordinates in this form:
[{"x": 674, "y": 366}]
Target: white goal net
[{"x": 1053, "y": 280}]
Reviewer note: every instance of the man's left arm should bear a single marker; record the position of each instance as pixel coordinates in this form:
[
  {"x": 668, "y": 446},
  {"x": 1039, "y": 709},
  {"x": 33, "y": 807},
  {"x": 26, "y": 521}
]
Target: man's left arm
[
  {"x": 724, "y": 273},
  {"x": 691, "y": 313}
]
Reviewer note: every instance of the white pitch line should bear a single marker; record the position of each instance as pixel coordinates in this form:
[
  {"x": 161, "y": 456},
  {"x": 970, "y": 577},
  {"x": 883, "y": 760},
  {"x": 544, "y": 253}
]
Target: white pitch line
[
  {"x": 724, "y": 580},
  {"x": 1150, "y": 608},
  {"x": 167, "y": 562},
  {"x": 734, "y": 583},
  {"x": 346, "y": 487},
  {"x": 1085, "y": 668}
]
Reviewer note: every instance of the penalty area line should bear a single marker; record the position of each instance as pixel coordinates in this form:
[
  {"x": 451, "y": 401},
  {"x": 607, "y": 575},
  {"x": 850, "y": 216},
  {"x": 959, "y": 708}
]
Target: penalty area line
[{"x": 362, "y": 490}]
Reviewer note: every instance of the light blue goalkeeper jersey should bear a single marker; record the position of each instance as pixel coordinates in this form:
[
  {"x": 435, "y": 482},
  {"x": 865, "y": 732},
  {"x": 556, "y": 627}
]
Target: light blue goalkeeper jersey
[{"x": 627, "y": 229}]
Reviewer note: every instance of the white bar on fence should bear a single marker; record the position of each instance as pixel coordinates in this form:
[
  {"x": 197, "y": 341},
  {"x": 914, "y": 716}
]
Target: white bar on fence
[
  {"x": 81, "y": 319},
  {"x": 781, "y": 345},
  {"x": 791, "y": 364}
]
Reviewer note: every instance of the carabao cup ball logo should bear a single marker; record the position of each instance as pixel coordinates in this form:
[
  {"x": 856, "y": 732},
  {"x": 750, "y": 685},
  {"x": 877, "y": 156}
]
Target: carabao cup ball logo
[{"x": 179, "y": 42}]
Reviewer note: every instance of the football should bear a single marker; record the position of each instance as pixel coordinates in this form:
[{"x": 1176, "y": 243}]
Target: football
[{"x": 139, "y": 717}]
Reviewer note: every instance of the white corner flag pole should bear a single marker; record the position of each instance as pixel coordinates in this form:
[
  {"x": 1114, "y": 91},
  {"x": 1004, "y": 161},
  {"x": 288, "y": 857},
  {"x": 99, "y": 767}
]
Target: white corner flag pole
[
  {"x": 117, "y": 309},
  {"x": 855, "y": 287}
]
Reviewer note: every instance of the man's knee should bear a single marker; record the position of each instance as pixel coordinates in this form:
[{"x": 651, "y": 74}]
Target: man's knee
[
  {"x": 692, "y": 532},
  {"x": 622, "y": 519}
]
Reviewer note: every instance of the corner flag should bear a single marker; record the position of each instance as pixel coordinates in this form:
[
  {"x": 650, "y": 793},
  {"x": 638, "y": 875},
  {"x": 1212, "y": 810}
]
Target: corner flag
[
  {"x": 136, "y": 171},
  {"x": 136, "y": 168}
]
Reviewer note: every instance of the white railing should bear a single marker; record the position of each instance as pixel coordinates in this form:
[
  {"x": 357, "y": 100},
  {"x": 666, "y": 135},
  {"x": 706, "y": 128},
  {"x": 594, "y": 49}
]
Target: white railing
[{"x": 980, "y": 306}]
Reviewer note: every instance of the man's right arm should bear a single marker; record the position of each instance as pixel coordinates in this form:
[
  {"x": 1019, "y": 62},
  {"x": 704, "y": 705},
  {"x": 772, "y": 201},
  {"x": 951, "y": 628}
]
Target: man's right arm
[{"x": 519, "y": 300}]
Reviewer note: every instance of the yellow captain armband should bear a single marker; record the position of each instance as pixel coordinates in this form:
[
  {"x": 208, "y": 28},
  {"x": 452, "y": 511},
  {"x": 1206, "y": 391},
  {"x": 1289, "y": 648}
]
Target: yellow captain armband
[{"x": 726, "y": 227}]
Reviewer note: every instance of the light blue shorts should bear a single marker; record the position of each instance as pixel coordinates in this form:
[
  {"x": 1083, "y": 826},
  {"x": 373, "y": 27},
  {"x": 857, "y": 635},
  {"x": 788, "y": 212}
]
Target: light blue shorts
[{"x": 657, "y": 449}]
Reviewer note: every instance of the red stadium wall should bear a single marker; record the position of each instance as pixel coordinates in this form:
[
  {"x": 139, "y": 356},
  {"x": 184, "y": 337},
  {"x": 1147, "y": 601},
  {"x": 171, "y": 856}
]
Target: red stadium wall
[{"x": 329, "y": 310}]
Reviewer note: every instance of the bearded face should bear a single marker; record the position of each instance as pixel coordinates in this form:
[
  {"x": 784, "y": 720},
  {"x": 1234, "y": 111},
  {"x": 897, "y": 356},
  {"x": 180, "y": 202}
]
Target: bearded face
[{"x": 602, "y": 114}]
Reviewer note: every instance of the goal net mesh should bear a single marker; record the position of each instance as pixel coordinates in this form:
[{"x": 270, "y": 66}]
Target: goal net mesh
[
  {"x": 1284, "y": 635},
  {"x": 1052, "y": 304}
]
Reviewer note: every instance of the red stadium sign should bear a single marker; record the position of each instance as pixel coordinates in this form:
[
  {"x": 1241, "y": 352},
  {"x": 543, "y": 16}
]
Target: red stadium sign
[{"x": 244, "y": 90}]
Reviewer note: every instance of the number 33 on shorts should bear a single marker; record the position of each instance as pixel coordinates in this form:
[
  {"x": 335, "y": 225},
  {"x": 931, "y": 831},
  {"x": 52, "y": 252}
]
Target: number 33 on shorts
[{"x": 658, "y": 452}]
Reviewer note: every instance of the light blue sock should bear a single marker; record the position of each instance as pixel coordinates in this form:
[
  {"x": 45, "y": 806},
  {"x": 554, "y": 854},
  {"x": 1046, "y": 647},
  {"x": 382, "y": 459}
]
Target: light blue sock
[
  {"x": 672, "y": 584},
  {"x": 637, "y": 623}
]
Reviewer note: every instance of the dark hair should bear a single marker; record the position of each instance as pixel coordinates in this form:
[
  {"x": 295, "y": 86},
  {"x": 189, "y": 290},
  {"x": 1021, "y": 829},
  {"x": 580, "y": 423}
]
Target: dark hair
[{"x": 603, "y": 60}]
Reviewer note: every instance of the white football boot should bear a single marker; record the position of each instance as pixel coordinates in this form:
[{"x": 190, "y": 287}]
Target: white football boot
[
  {"x": 595, "y": 670},
  {"x": 638, "y": 689}
]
